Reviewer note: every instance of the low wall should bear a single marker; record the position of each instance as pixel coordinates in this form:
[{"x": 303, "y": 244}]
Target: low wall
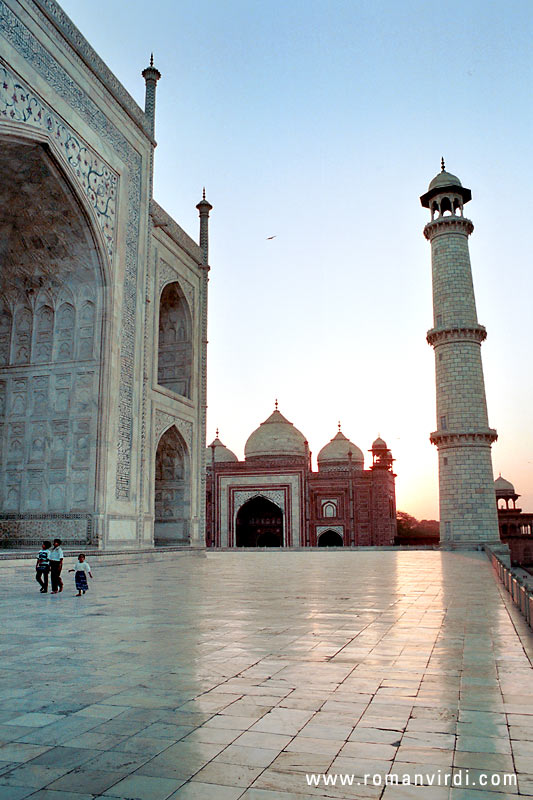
[
  {"x": 17, "y": 559},
  {"x": 518, "y": 582}
]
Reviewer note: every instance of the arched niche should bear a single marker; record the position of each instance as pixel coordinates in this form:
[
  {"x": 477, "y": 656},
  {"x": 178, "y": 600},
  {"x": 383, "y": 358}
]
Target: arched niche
[
  {"x": 49, "y": 383},
  {"x": 259, "y": 523},
  {"x": 174, "y": 364},
  {"x": 329, "y": 509},
  {"x": 330, "y": 539},
  {"x": 172, "y": 490}
]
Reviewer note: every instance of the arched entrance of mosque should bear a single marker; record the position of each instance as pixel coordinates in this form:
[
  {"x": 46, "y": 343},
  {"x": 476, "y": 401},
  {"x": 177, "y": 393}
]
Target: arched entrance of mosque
[
  {"x": 51, "y": 332},
  {"x": 172, "y": 490},
  {"x": 330, "y": 539},
  {"x": 259, "y": 524},
  {"x": 174, "y": 366}
]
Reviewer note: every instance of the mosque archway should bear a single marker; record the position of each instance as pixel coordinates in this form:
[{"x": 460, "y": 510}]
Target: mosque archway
[
  {"x": 172, "y": 490},
  {"x": 51, "y": 332},
  {"x": 330, "y": 539},
  {"x": 174, "y": 367},
  {"x": 259, "y": 524}
]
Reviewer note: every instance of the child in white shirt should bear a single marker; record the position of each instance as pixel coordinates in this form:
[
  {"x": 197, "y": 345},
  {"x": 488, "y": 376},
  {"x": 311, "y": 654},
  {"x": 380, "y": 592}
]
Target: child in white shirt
[{"x": 80, "y": 574}]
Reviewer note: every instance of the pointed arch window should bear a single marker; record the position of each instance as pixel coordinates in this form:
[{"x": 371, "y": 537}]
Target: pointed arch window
[{"x": 174, "y": 368}]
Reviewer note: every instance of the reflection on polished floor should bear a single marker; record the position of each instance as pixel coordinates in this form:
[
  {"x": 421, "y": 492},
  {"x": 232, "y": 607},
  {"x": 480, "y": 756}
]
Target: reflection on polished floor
[{"x": 234, "y": 676}]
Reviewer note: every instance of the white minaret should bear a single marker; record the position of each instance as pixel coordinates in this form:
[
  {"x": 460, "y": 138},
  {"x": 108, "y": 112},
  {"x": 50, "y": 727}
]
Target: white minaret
[{"x": 468, "y": 514}]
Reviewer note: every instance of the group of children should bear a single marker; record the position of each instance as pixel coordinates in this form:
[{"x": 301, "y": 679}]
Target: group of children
[{"x": 50, "y": 562}]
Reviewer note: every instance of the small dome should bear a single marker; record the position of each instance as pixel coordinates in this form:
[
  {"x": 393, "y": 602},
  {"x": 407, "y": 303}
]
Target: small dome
[
  {"x": 444, "y": 179},
  {"x": 222, "y": 453},
  {"x": 338, "y": 450},
  {"x": 379, "y": 444},
  {"x": 503, "y": 487},
  {"x": 276, "y": 436},
  {"x": 444, "y": 182}
]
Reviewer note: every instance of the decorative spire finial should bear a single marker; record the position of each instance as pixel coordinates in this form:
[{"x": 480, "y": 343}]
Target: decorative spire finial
[
  {"x": 339, "y": 425},
  {"x": 151, "y": 75},
  {"x": 204, "y": 207},
  {"x": 216, "y": 433},
  {"x": 442, "y": 167},
  {"x": 276, "y": 404}
]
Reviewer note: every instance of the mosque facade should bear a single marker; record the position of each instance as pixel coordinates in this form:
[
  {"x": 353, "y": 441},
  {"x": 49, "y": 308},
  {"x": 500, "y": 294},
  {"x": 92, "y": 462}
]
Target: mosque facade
[
  {"x": 273, "y": 498},
  {"x": 103, "y": 305}
]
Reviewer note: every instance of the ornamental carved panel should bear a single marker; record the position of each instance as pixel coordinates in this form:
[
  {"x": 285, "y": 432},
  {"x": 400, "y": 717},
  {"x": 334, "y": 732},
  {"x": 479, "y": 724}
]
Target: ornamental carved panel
[
  {"x": 167, "y": 274},
  {"x": 18, "y": 103},
  {"x": 275, "y": 496},
  {"x": 164, "y": 420}
]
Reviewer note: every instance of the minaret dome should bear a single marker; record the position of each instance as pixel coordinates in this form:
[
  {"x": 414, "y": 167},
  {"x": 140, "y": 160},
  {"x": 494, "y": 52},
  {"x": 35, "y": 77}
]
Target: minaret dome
[{"x": 446, "y": 196}]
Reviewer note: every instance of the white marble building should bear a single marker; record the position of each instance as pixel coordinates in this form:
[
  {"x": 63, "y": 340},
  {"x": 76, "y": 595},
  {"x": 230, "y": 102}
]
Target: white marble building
[{"x": 103, "y": 305}]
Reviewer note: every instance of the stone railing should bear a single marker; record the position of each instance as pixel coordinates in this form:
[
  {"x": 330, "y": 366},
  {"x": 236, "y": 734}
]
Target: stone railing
[{"x": 518, "y": 582}]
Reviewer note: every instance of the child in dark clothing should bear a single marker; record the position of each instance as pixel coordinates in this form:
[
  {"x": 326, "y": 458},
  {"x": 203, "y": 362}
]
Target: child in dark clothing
[{"x": 42, "y": 567}]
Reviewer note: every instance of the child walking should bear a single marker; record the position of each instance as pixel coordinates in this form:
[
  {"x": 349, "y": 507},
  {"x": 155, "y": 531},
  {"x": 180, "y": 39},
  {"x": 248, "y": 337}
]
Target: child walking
[
  {"x": 80, "y": 574},
  {"x": 42, "y": 567},
  {"x": 55, "y": 556}
]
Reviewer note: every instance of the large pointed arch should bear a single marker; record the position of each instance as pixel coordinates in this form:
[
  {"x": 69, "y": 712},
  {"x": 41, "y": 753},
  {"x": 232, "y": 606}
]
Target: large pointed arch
[
  {"x": 172, "y": 490},
  {"x": 259, "y": 523},
  {"x": 53, "y": 390},
  {"x": 175, "y": 346}
]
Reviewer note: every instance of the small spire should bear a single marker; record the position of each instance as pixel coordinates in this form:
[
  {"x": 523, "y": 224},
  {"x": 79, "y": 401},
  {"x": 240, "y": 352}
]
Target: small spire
[
  {"x": 339, "y": 425},
  {"x": 203, "y": 193},
  {"x": 216, "y": 433},
  {"x": 276, "y": 404},
  {"x": 442, "y": 167},
  {"x": 151, "y": 75}
]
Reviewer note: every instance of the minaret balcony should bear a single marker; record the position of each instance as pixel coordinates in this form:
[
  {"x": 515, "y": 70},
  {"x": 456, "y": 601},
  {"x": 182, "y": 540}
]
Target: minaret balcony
[
  {"x": 450, "y": 438},
  {"x": 451, "y": 224},
  {"x": 456, "y": 333}
]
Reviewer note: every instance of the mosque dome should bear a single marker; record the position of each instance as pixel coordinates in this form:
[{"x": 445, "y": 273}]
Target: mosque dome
[
  {"x": 222, "y": 453},
  {"x": 379, "y": 444},
  {"x": 503, "y": 487},
  {"x": 338, "y": 451},
  {"x": 276, "y": 436},
  {"x": 444, "y": 180}
]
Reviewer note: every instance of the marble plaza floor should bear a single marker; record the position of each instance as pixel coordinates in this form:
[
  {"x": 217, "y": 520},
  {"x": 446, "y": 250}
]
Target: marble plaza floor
[{"x": 241, "y": 674}]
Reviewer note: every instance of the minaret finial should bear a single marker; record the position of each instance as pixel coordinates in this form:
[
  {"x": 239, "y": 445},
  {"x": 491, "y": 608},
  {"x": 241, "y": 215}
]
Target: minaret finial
[
  {"x": 276, "y": 404},
  {"x": 442, "y": 167},
  {"x": 339, "y": 425},
  {"x": 204, "y": 207},
  {"x": 151, "y": 75},
  {"x": 216, "y": 433}
]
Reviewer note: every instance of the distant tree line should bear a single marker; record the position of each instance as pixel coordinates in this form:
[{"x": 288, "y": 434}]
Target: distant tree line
[{"x": 413, "y": 531}]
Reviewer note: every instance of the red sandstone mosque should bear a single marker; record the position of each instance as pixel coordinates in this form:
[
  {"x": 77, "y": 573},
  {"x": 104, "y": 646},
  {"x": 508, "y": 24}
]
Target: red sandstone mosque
[{"x": 274, "y": 499}]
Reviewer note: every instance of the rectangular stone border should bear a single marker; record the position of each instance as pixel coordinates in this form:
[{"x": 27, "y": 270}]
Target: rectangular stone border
[{"x": 517, "y": 582}]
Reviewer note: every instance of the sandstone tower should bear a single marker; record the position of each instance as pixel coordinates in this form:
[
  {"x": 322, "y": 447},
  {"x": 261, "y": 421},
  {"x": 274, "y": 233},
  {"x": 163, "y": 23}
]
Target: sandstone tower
[{"x": 468, "y": 514}]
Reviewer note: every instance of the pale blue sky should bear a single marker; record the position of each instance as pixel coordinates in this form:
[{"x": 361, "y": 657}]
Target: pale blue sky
[{"x": 322, "y": 123}]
